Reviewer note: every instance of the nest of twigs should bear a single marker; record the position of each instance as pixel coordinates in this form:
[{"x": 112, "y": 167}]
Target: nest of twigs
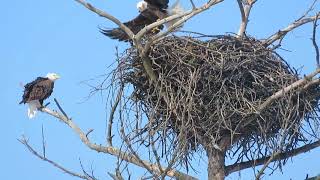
[{"x": 209, "y": 88}]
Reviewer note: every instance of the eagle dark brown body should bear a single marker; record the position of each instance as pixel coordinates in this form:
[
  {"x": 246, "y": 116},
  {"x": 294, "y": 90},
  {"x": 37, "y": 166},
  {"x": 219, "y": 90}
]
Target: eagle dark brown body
[{"x": 39, "y": 89}]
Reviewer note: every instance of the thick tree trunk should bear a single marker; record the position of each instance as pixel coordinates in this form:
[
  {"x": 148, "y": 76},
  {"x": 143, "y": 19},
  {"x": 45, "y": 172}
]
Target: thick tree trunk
[
  {"x": 216, "y": 160},
  {"x": 216, "y": 170}
]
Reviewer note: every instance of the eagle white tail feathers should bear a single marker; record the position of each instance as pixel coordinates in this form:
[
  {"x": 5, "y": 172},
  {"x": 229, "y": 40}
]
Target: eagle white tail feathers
[
  {"x": 176, "y": 8},
  {"x": 33, "y": 107}
]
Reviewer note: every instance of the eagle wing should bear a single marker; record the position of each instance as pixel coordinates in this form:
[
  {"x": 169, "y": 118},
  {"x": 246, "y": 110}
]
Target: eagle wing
[
  {"x": 161, "y": 4},
  {"x": 39, "y": 89},
  {"x": 143, "y": 19},
  {"x": 134, "y": 25}
]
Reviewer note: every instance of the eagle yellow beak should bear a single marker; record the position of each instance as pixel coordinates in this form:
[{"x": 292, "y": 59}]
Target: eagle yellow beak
[{"x": 57, "y": 76}]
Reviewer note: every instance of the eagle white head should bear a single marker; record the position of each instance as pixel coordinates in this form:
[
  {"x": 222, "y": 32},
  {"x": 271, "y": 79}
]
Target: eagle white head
[
  {"x": 52, "y": 76},
  {"x": 142, "y": 5}
]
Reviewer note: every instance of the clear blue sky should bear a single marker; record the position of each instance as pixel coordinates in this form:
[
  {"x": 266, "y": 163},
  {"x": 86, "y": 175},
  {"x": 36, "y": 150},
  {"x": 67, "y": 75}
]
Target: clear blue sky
[{"x": 37, "y": 37}]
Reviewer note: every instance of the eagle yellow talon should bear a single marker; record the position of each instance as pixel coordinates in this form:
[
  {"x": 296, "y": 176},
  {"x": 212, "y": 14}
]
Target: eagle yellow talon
[{"x": 155, "y": 30}]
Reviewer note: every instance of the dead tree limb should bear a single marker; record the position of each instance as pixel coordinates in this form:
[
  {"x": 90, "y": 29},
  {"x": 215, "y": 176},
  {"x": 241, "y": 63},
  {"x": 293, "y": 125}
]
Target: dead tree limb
[
  {"x": 110, "y": 149},
  {"x": 106, "y": 15},
  {"x": 283, "y": 32},
  {"x": 245, "y": 9},
  {"x": 314, "y": 40},
  {"x": 284, "y": 155},
  {"x": 300, "y": 83},
  {"x": 24, "y": 141}
]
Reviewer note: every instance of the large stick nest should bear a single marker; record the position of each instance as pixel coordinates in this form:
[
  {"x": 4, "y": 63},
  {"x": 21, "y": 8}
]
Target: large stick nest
[{"x": 210, "y": 88}]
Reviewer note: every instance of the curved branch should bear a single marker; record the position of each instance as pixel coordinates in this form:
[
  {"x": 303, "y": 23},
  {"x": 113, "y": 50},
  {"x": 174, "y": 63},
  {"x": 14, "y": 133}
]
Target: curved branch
[
  {"x": 110, "y": 149},
  {"x": 279, "y": 156},
  {"x": 108, "y": 16},
  {"x": 314, "y": 40},
  {"x": 283, "y": 32},
  {"x": 304, "y": 83}
]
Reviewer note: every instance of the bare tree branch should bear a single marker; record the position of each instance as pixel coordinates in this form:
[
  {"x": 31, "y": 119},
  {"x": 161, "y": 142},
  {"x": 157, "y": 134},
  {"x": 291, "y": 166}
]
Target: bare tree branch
[
  {"x": 281, "y": 33},
  {"x": 294, "y": 85},
  {"x": 113, "y": 110},
  {"x": 284, "y": 155},
  {"x": 193, "y": 5},
  {"x": 108, "y": 16},
  {"x": 245, "y": 9},
  {"x": 43, "y": 142},
  {"x": 282, "y": 92},
  {"x": 24, "y": 141},
  {"x": 314, "y": 41},
  {"x": 110, "y": 149}
]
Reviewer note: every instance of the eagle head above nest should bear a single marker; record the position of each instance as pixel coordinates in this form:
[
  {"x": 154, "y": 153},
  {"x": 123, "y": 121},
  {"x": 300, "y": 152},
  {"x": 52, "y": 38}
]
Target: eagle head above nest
[
  {"x": 150, "y": 11},
  {"x": 37, "y": 91}
]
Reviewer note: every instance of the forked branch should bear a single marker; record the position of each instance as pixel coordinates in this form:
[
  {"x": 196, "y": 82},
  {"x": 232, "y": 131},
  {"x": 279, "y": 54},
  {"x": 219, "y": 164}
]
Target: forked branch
[
  {"x": 245, "y": 8},
  {"x": 110, "y": 149},
  {"x": 24, "y": 141},
  {"x": 283, "y": 32}
]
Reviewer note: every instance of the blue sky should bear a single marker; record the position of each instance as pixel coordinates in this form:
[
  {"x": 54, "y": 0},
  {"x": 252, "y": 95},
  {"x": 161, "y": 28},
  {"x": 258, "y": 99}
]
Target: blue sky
[{"x": 61, "y": 36}]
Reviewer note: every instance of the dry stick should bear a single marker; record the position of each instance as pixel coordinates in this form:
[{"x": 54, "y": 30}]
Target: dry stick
[
  {"x": 309, "y": 9},
  {"x": 60, "y": 108},
  {"x": 282, "y": 92},
  {"x": 314, "y": 42},
  {"x": 110, "y": 149},
  {"x": 193, "y": 5},
  {"x": 284, "y": 155},
  {"x": 43, "y": 143},
  {"x": 25, "y": 143},
  {"x": 113, "y": 110},
  {"x": 275, "y": 153},
  {"x": 281, "y": 33}
]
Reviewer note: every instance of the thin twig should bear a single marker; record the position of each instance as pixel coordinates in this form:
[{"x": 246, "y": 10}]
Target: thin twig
[
  {"x": 193, "y": 5},
  {"x": 43, "y": 142},
  {"x": 64, "y": 113},
  {"x": 113, "y": 109},
  {"x": 314, "y": 41},
  {"x": 33, "y": 151}
]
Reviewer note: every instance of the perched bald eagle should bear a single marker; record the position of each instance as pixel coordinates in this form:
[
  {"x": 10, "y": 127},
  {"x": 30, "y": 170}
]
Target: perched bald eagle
[
  {"x": 150, "y": 12},
  {"x": 37, "y": 91}
]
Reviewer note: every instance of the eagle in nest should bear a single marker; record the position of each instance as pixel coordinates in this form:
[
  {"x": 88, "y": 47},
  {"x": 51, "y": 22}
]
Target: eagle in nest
[
  {"x": 37, "y": 91},
  {"x": 150, "y": 12}
]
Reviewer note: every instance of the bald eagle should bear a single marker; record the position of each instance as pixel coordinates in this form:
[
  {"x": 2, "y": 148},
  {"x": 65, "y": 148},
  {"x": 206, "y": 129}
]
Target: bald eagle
[
  {"x": 150, "y": 12},
  {"x": 37, "y": 91}
]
